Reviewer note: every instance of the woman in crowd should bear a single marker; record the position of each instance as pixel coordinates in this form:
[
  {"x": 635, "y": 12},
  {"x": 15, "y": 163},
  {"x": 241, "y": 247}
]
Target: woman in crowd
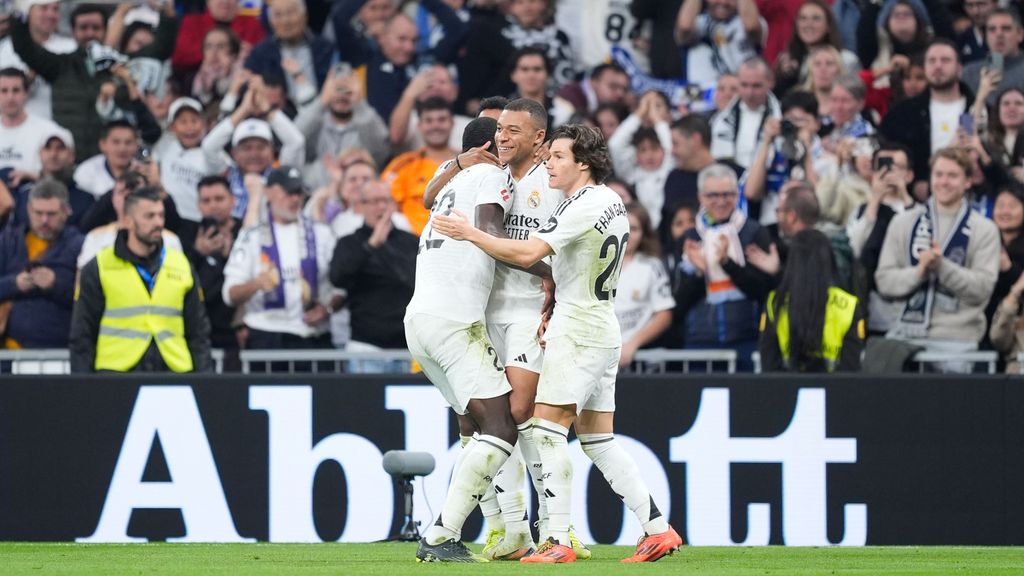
[
  {"x": 643, "y": 302},
  {"x": 825, "y": 65},
  {"x": 816, "y": 26},
  {"x": 823, "y": 329},
  {"x": 846, "y": 102},
  {"x": 841, "y": 192},
  {"x": 1008, "y": 214},
  {"x": 898, "y": 27},
  {"x": 1003, "y": 138},
  {"x": 1007, "y": 329}
]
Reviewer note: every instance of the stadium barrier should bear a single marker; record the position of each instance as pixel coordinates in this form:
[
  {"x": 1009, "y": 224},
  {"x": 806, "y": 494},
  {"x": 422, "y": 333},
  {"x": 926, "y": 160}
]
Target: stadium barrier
[
  {"x": 57, "y": 361},
  {"x": 730, "y": 459},
  {"x": 987, "y": 360}
]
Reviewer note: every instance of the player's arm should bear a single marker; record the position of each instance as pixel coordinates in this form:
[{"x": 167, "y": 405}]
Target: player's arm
[
  {"x": 462, "y": 161},
  {"x": 490, "y": 218},
  {"x": 522, "y": 253}
]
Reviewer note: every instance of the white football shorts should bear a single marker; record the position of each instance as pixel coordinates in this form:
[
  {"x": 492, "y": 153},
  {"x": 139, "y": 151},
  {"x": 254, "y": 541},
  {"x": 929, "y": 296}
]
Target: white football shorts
[
  {"x": 580, "y": 375},
  {"x": 517, "y": 344}
]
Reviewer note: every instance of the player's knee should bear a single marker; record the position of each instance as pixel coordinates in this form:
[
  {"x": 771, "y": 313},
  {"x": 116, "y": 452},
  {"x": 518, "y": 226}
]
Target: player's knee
[
  {"x": 502, "y": 427},
  {"x": 521, "y": 410}
]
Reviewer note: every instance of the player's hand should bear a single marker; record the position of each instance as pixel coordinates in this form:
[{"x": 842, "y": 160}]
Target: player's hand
[
  {"x": 767, "y": 262},
  {"x": 542, "y": 329},
  {"x": 542, "y": 153},
  {"x": 455, "y": 225},
  {"x": 549, "y": 296},
  {"x": 381, "y": 230},
  {"x": 478, "y": 155},
  {"x": 43, "y": 277}
]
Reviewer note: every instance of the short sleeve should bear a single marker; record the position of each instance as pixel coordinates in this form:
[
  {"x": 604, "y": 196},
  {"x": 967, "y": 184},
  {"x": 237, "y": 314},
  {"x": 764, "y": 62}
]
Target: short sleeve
[
  {"x": 495, "y": 188},
  {"x": 569, "y": 221}
]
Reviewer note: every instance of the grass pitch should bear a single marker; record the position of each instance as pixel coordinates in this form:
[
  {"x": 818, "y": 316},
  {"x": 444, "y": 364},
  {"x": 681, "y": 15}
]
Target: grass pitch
[{"x": 388, "y": 559}]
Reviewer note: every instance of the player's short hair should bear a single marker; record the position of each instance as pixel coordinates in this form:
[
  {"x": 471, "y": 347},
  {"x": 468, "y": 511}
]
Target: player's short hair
[
  {"x": 432, "y": 104},
  {"x": 493, "y": 103},
  {"x": 694, "y": 124},
  {"x": 48, "y": 188},
  {"x": 538, "y": 114},
  {"x": 957, "y": 155},
  {"x": 478, "y": 132},
  {"x": 11, "y": 72},
  {"x": 147, "y": 193},
  {"x": 588, "y": 147}
]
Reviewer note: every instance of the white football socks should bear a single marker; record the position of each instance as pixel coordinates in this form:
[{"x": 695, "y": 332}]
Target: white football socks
[
  {"x": 481, "y": 461},
  {"x": 622, "y": 474},
  {"x": 553, "y": 448},
  {"x": 510, "y": 487}
]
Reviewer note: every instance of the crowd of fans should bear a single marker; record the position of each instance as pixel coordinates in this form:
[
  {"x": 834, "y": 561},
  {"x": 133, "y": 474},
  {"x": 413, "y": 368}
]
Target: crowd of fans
[{"x": 291, "y": 142}]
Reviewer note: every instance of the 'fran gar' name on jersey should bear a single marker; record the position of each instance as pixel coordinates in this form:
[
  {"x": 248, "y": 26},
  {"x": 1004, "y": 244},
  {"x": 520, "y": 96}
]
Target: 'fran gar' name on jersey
[{"x": 609, "y": 214}]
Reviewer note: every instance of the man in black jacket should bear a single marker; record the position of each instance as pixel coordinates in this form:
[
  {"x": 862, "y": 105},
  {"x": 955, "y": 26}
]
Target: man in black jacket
[
  {"x": 377, "y": 266},
  {"x": 935, "y": 112},
  {"x": 108, "y": 340}
]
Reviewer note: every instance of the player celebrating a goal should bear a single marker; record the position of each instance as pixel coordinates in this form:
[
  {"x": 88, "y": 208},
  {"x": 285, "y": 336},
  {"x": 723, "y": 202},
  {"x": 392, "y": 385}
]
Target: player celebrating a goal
[{"x": 586, "y": 236}]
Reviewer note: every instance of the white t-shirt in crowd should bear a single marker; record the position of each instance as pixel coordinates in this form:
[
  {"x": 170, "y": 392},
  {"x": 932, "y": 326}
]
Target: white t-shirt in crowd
[
  {"x": 518, "y": 296},
  {"x": 40, "y": 94},
  {"x": 594, "y": 26},
  {"x": 19, "y": 146},
  {"x": 180, "y": 173},
  {"x": 945, "y": 118},
  {"x": 643, "y": 291},
  {"x": 721, "y": 48},
  {"x": 587, "y": 233},
  {"x": 93, "y": 176},
  {"x": 747, "y": 136},
  {"x": 99, "y": 238},
  {"x": 453, "y": 278},
  {"x": 245, "y": 263}
]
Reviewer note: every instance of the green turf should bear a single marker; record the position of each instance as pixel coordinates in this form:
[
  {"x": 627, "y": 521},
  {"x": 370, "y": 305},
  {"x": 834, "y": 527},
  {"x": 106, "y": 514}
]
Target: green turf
[{"x": 372, "y": 559}]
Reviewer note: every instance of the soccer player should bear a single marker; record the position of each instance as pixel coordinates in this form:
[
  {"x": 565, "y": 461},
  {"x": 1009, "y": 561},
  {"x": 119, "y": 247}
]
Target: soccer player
[
  {"x": 586, "y": 237},
  {"x": 444, "y": 326}
]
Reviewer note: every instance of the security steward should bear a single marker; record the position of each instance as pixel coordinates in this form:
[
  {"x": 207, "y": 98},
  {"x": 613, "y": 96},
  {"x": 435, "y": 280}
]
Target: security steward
[
  {"x": 842, "y": 337},
  {"x": 139, "y": 306}
]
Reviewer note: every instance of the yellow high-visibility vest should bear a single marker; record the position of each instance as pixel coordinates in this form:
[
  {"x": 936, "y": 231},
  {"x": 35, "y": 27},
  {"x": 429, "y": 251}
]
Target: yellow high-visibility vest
[
  {"x": 133, "y": 316},
  {"x": 839, "y": 316}
]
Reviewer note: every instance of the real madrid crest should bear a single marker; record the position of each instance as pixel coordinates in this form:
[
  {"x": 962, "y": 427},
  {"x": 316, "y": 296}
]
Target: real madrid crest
[{"x": 534, "y": 200}]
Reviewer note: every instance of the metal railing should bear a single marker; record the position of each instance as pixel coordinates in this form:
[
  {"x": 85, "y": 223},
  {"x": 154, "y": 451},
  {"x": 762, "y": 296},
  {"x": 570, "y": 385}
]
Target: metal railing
[
  {"x": 326, "y": 360},
  {"x": 987, "y": 358},
  {"x": 665, "y": 361},
  {"x": 57, "y": 361}
]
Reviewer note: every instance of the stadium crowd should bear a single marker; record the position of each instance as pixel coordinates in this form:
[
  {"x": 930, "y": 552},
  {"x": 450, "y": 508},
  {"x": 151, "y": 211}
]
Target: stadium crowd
[{"x": 290, "y": 144}]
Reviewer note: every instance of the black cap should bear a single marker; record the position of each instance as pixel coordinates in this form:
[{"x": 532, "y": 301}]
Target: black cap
[{"x": 287, "y": 177}]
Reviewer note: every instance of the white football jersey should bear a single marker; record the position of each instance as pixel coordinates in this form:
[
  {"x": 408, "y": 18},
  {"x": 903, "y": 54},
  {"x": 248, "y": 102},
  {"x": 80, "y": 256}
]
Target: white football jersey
[
  {"x": 517, "y": 295},
  {"x": 453, "y": 278},
  {"x": 594, "y": 26},
  {"x": 643, "y": 291},
  {"x": 588, "y": 234}
]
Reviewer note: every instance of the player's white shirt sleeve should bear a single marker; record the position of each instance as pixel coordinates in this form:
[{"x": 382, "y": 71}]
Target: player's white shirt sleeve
[{"x": 643, "y": 291}]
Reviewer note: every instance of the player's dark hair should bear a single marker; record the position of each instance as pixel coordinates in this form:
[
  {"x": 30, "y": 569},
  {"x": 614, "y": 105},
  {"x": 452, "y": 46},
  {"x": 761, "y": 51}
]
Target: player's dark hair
[
  {"x": 493, "y": 103},
  {"x": 588, "y": 147},
  {"x": 649, "y": 243},
  {"x": 694, "y": 124},
  {"x": 147, "y": 193},
  {"x": 479, "y": 132},
  {"x": 432, "y": 104},
  {"x": 538, "y": 114},
  {"x": 806, "y": 286},
  {"x": 645, "y": 134},
  {"x": 15, "y": 73},
  {"x": 114, "y": 125}
]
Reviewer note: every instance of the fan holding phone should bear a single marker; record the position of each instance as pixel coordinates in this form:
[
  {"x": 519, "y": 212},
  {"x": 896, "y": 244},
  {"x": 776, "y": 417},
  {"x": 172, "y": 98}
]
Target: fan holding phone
[{"x": 1004, "y": 63}]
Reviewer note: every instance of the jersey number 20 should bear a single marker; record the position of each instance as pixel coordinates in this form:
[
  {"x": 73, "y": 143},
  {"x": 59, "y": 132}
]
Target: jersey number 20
[{"x": 611, "y": 273}]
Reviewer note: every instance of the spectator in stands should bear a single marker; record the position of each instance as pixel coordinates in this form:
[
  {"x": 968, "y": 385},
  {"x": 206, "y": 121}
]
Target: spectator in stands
[
  {"x": 899, "y": 27},
  {"x": 691, "y": 150},
  {"x": 84, "y": 79},
  {"x": 664, "y": 54},
  {"x": 846, "y": 104},
  {"x": 189, "y": 52},
  {"x": 181, "y": 159},
  {"x": 607, "y": 83},
  {"x": 809, "y": 324},
  {"x": 409, "y": 173},
  {"x": 530, "y": 24},
  {"x": 219, "y": 71},
  {"x": 356, "y": 176},
  {"x": 1008, "y": 215},
  {"x": 22, "y": 132},
  {"x": 209, "y": 255},
  {"x": 118, "y": 144},
  {"x": 841, "y": 192},
  {"x": 928, "y": 122},
  {"x": 37, "y": 274},
  {"x": 942, "y": 262},
  {"x": 736, "y": 130},
  {"x": 790, "y": 149},
  {"x": 485, "y": 50},
  {"x": 391, "y": 64},
  {"x": 252, "y": 143},
  {"x": 718, "y": 38},
  {"x": 816, "y": 26},
  {"x": 824, "y": 66},
  {"x": 292, "y": 52},
  {"x": 106, "y": 217},
  {"x": 1003, "y": 34},
  {"x": 148, "y": 43},
  {"x": 1003, "y": 139},
  {"x": 139, "y": 307},
  {"x": 606, "y": 118},
  {"x": 57, "y": 161},
  {"x": 908, "y": 82},
  {"x": 971, "y": 41},
  {"x": 720, "y": 292},
  {"x": 640, "y": 151},
  {"x": 433, "y": 82},
  {"x": 277, "y": 272},
  {"x": 891, "y": 177},
  {"x": 43, "y": 21},
  {"x": 1007, "y": 330},
  {"x": 530, "y": 72},
  {"x": 643, "y": 301},
  {"x": 339, "y": 120},
  {"x": 376, "y": 265}
]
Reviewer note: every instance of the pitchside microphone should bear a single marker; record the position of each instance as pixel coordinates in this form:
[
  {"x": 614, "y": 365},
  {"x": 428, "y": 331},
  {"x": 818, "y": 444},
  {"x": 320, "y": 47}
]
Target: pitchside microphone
[{"x": 405, "y": 464}]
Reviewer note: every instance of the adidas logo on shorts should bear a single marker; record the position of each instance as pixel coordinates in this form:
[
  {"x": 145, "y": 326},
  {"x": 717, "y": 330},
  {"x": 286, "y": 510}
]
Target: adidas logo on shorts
[{"x": 522, "y": 358}]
